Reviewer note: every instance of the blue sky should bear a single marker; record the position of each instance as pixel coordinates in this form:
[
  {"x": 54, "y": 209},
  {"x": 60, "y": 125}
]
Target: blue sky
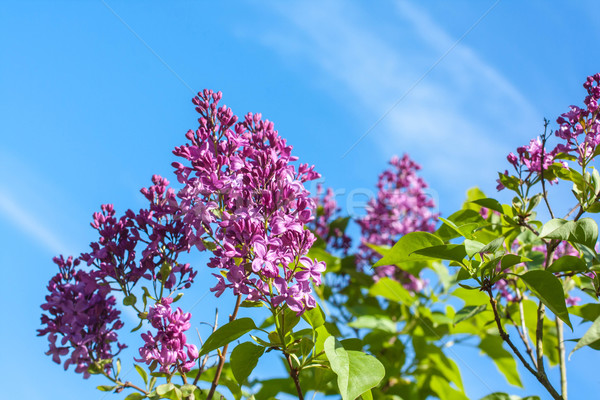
[{"x": 96, "y": 94}]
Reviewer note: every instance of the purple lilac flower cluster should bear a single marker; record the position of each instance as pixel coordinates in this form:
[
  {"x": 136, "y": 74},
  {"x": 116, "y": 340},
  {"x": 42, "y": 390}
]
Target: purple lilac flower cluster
[
  {"x": 157, "y": 232},
  {"x": 244, "y": 198},
  {"x": 80, "y": 319},
  {"x": 323, "y": 225},
  {"x": 401, "y": 206},
  {"x": 582, "y": 121},
  {"x": 79, "y": 299},
  {"x": 579, "y": 129},
  {"x": 168, "y": 347}
]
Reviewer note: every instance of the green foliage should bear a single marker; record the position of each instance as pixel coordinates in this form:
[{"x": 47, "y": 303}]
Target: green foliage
[
  {"x": 357, "y": 372},
  {"x": 403, "y": 250},
  {"x": 244, "y": 359},
  {"x": 546, "y": 287},
  {"x": 227, "y": 333}
]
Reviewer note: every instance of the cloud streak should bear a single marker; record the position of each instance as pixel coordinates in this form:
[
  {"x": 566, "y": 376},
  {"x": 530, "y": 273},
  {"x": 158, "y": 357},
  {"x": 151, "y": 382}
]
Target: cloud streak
[
  {"x": 458, "y": 117},
  {"x": 26, "y": 222}
]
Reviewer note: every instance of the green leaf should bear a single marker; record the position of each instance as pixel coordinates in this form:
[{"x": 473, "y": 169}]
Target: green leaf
[
  {"x": 165, "y": 271},
  {"x": 315, "y": 317},
  {"x": 177, "y": 297},
  {"x": 188, "y": 390},
  {"x": 461, "y": 223},
  {"x": 494, "y": 245},
  {"x": 357, "y": 372},
  {"x": 504, "y": 396},
  {"x": 135, "y": 396},
  {"x": 287, "y": 320},
  {"x": 251, "y": 304},
  {"x": 558, "y": 229},
  {"x": 444, "y": 391},
  {"x": 244, "y": 359},
  {"x": 391, "y": 290},
  {"x": 139, "y": 325},
  {"x": 453, "y": 252},
  {"x": 227, "y": 333},
  {"x": 129, "y": 300},
  {"x": 322, "y": 335},
  {"x": 106, "y": 388},
  {"x": 490, "y": 203},
  {"x": 403, "y": 250},
  {"x": 588, "y": 312},
  {"x": 340, "y": 223},
  {"x": 169, "y": 391},
  {"x": 468, "y": 312},
  {"x": 508, "y": 260},
  {"x": 592, "y": 335},
  {"x": 586, "y": 232},
  {"x": 492, "y": 346},
  {"x": 568, "y": 264},
  {"x": 510, "y": 182},
  {"x": 367, "y": 395},
  {"x": 549, "y": 290},
  {"x": 381, "y": 250},
  {"x": 380, "y": 322},
  {"x": 473, "y": 247},
  {"x": 445, "y": 366},
  {"x": 142, "y": 373},
  {"x": 161, "y": 390},
  {"x": 594, "y": 208}
]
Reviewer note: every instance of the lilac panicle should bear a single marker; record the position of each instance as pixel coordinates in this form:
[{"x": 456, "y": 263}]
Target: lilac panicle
[
  {"x": 400, "y": 207},
  {"x": 243, "y": 194},
  {"x": 136, "y": 245},
  {"x": 579, "y": 130},
  {"x": 168, "y": 347},
  {"x": 80, "y": 319},
  {"x": 579, "y": 127}
]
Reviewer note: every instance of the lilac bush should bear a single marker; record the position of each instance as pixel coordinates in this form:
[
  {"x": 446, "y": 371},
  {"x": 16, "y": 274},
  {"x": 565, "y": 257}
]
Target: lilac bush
[{"x": 240, "y": 198}]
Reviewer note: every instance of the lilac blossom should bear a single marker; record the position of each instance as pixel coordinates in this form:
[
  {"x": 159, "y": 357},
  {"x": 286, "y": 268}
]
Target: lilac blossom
[
  {"x": 244, "y": 198},
  {"x": 401, "y": 206},
  {"x": 80, "y": 319},
  {"x": 579, "y": 127},
  {"x": 136, "y": 245},
  {"x": 168, "y": 347},
  {"x": 579, "y": 130}
]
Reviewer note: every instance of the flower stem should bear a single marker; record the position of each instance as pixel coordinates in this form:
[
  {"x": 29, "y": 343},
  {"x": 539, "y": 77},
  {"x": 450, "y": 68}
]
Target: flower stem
[
  {"x": 561, "y": 358},
  {"x": 221, "y": 364}
]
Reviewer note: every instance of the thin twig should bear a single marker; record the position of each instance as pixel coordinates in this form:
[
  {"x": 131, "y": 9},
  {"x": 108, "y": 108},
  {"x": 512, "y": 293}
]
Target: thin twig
[
  {"x": 561, "y": 358},
  {"x": 223, "y": 354},
  {"x": 294, "y": 375},
  {"x": 542, "y": 378},
  {"x": 544, "y": 193},
  {"x": 539, "y": 338},
  {"x": 205, "y": 359},
  {"x": 523, "y": 331}
]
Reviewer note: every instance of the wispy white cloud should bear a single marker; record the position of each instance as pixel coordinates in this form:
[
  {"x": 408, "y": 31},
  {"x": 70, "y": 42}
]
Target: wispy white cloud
[
  {"x": 458, "y": 117},
  {"x": 30, "y": 224}
]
